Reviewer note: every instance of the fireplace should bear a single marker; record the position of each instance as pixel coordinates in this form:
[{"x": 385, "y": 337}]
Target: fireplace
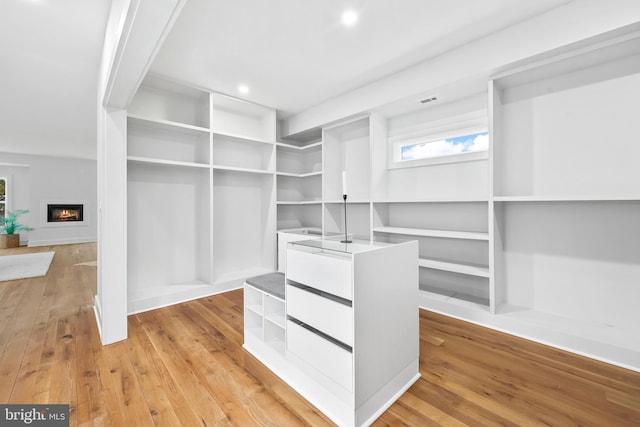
[{"x": 65, "y": 213}]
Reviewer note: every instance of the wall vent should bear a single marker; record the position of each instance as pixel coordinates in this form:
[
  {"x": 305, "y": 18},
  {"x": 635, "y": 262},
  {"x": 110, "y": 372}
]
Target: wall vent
[{"x": 431, "y": 99}]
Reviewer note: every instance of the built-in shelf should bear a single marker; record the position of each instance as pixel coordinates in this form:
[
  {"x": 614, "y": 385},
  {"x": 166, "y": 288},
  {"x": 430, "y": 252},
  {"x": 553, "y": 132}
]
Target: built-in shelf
[
  {"x": 242, "y": 138},
  {"x": 139, "y": 159},
  {"x": 349, "y": 202},
  {"x": 309, "y": 147},
  {"x": 256, "y": 308},
  {"x": 276, "y": 318},
  {"x": 443, "y": 301},
  {"x": 166, "y": 124},
  {"x": 455, "y": 267},
  {"x": 447, "y": 234},
  {"x": 299, "y": 175},
  {"x": 565, "y": 198},
  {"x": 243, "y": 170},
  {"x": 442, "y": 200},
  {"x": 300, "y": 202}
]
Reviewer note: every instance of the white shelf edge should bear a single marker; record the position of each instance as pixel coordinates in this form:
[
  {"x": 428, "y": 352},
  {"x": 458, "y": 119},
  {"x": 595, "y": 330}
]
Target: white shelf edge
[
  {"x": 239, "y": 169},
  {"x": 299, "y": 148},
  {"x": 335, "y": 202},
  {"x": 593, "y": 198},
  {"x": 299, "y": 202},
  {"x": 311, "y": 228},
  {"x": 168, "y": 123},
  {"x": 278, "y": 320},
  {"x": 242, "y": 137},
  {"x": 299, "y": 175},
  {"x": 444, "y": 200},
  {"x": 444, "y": 303},
  {"x": 255, "y": 308},
  {"x": 455, "y": 267},
  {"x": 423, "y": 232},
  {"x": 139, "y": 159}
]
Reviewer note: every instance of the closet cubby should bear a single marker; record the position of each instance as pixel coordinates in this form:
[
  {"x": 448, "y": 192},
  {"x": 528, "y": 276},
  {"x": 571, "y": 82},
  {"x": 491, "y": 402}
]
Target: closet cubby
[
  {"x": 162, "y": 143},
  {"x": 562, "y": 122},
  {"x": 347, "y": 149},
  {"x": 299, "y": 160},
  {"x": 243, "y": 225},
  {"x": 168, "y": 229},
  {"x": 242, "y": 154},
  {"x": 299, "y": 189},
  {"x": 242, "y": 119},
  {"x": 575, "y": 264},
  {"x": 298, "y": 215},
  {"x": 170, "y": 103}
]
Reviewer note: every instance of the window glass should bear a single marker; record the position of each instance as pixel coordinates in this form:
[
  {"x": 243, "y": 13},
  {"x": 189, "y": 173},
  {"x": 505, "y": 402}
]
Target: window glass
[
  {"x": 3, "y": 196},
  {"x": 446, "y": 147}
]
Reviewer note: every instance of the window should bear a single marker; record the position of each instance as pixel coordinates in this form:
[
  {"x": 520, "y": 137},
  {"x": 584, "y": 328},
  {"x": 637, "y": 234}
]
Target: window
[
  {"x": 3, "y": 197},
  {"x": 446, "y": 147},
  {"x": 456, "y": 139}
]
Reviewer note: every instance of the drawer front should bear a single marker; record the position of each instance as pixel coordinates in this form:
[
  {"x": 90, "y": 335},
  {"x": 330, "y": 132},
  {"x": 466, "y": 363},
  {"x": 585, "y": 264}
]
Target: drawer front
[
  {"x": 331, "y": 317},
  {"x": 323, "y": 272},
  {"x": 327, "y": 357}
]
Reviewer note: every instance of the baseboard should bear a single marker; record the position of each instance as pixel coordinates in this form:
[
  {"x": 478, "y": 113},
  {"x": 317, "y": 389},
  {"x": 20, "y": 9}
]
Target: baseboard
[
  {"x": 182, "y": 294},
  {"x": 66, "y": 241}
]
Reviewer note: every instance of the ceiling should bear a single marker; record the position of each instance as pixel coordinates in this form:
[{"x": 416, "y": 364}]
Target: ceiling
[
  {"x": 292, "y": 54},
  {"x": 50, "y": 52},
  {"x": 296, "y": 54}
]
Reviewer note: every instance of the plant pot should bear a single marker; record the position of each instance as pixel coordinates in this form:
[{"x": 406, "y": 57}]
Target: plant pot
[{"x": 9, "y": 241}]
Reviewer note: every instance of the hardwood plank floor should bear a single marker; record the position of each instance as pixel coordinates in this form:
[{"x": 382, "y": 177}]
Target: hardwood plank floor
[{"x": 184, "y": 365}]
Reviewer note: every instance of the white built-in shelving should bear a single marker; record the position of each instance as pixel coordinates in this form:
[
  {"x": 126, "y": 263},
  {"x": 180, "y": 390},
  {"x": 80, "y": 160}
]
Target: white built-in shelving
[
  {"x": 453, "y": 239},
  {"x": 264, "y": 318},
  {"x": 201, "y": 193},
  {"x": 565, "y": 203},
  {"x": 424, "y": 232},
  {"x": 299, "y": 181}
]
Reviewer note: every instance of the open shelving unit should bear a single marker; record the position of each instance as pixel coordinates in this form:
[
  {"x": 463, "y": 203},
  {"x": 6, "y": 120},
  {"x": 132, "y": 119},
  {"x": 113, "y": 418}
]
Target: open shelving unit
[
  {"x": 204, "y": 161},
  {"x": 299, "y": 174},
  {"x": 565, "y": 197},
  {"x": 453, "y": 240}
]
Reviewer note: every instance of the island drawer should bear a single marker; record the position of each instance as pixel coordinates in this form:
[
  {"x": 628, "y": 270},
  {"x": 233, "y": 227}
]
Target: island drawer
[
  {"x": 321, "y": 271},
  {"x": 323, "y": 312}
]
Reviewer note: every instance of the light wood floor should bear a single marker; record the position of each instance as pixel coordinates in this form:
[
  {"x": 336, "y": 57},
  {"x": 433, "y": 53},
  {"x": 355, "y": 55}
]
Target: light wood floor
[{"x": 184, "y": 365}]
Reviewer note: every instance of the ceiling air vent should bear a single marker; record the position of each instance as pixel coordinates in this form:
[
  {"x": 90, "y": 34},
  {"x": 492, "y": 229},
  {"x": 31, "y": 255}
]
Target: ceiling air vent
[{"x": 426, "y": 100}]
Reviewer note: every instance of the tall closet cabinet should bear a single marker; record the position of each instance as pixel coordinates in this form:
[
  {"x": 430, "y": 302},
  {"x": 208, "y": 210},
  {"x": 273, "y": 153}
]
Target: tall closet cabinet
[{"x": 201, "y": 193}]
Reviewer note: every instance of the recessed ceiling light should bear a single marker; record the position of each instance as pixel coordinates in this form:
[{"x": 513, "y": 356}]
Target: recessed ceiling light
[
  {"x": 243, "y": 89},
  {"x": 349, "y": 18}
]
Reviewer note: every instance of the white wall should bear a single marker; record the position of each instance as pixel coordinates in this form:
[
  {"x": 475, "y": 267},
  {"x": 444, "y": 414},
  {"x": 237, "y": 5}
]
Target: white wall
[{"x": 53, "y": 179}]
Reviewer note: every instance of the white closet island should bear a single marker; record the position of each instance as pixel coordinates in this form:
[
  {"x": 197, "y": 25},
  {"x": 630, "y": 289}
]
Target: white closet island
[{"x": 350, "y": 325}]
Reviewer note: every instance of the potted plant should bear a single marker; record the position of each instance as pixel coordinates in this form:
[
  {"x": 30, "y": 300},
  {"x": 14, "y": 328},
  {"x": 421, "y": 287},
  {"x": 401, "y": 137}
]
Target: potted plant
[{"x": 8, "y": 228}]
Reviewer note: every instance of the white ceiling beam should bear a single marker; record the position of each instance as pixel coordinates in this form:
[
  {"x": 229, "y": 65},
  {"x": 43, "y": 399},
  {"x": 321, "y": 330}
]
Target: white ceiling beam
[{"x": 135, "y": 33}]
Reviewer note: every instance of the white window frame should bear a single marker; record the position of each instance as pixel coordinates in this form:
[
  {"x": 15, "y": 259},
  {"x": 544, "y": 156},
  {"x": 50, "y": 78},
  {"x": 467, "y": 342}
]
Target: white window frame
[{"x": 465, "y": 124}]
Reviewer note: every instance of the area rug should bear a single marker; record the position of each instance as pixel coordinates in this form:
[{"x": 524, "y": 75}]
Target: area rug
[{"x": 13, "y": 267}]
